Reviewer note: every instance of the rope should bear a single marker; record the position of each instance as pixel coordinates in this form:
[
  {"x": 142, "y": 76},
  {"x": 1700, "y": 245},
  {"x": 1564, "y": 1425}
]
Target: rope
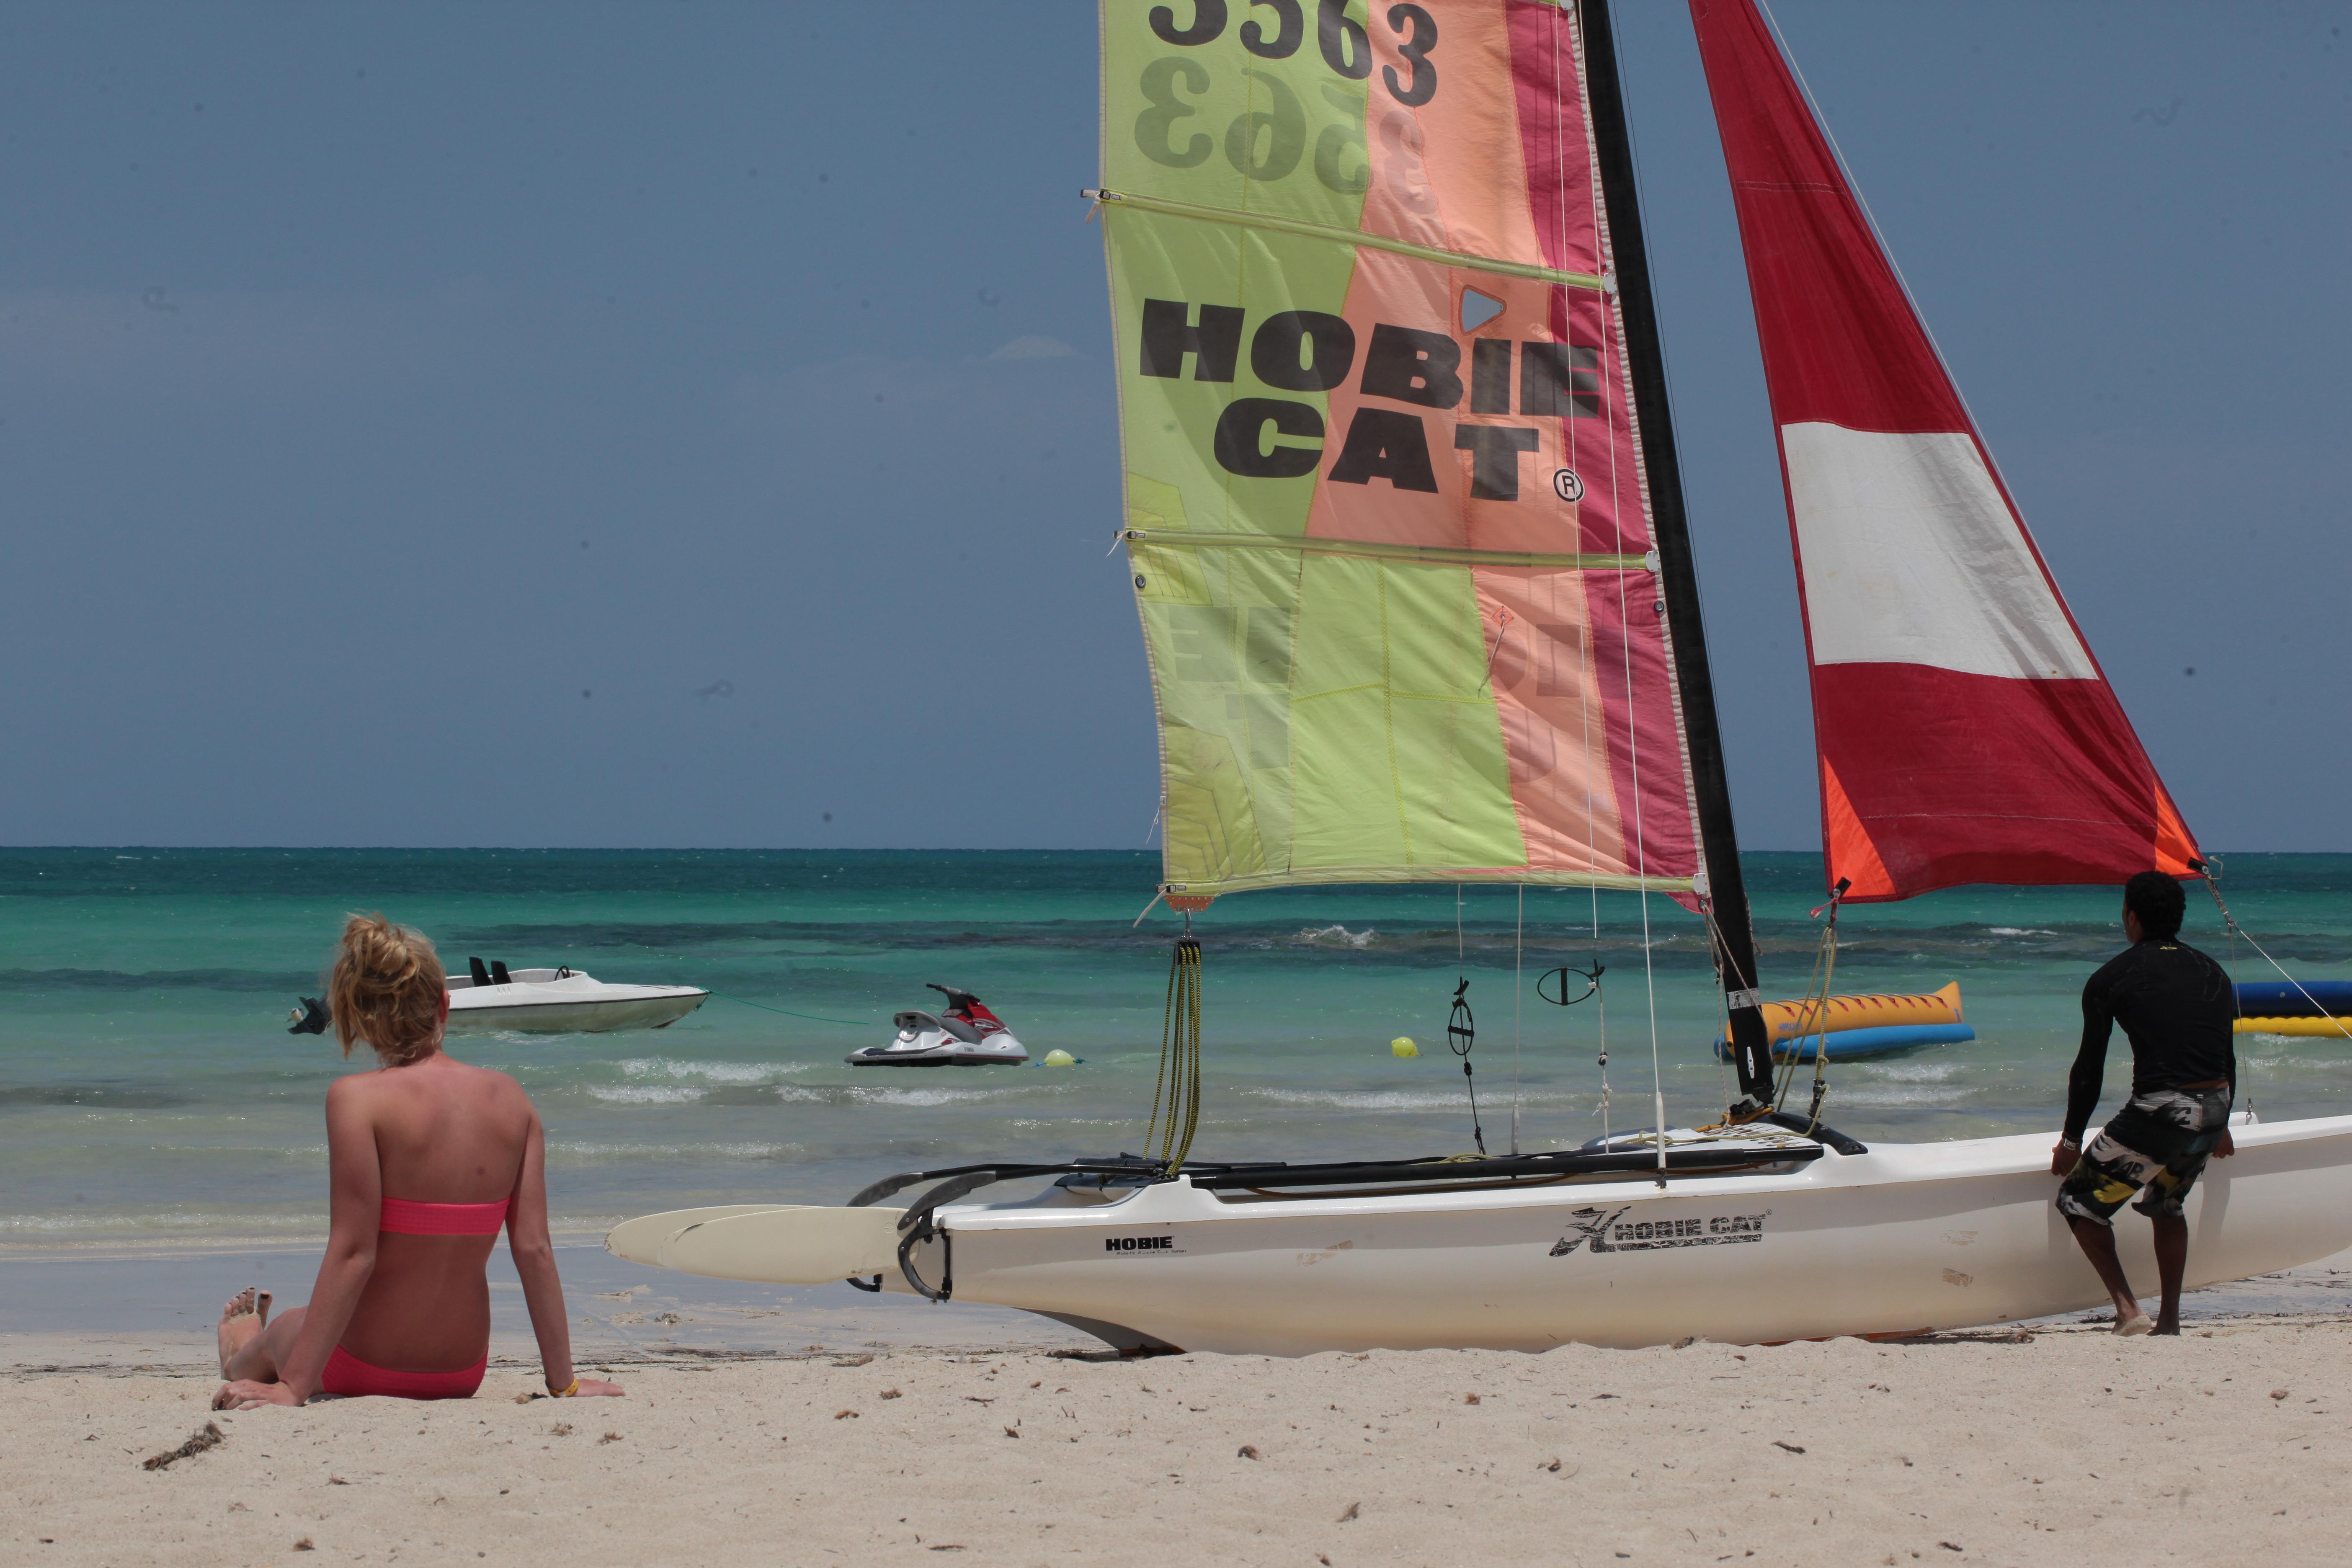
[
  {"x": 1462, "y": 1026},
  {"x": 1814, "y": 1010},
  {"x": 1179, "y": 1084},
  {"x": 2213, "y": 887},
  {"x": 1518, "y": 951},
  {"x": 762, "y": 1007},
  {"x": 1461, "y": 1034},
  {"x": 787, "y": 1011},
  {"x": 1601, "y": 1010},
  {"x": 1612, "y": 305}
]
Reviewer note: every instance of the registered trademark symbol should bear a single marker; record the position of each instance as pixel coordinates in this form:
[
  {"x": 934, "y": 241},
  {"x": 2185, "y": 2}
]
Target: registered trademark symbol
[{"x": 1566, "y": 486}]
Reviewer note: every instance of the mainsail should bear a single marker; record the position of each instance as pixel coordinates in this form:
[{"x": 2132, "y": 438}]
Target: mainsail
[
  {"x": 1965, "y": 733},
  {"x": 1390, "y": 529}
]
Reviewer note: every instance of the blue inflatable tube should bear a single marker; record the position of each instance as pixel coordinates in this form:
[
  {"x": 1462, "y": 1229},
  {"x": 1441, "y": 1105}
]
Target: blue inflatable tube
[
  {"x": 2277, "y": 999},
  {"x": 1854, "y": 1045}
]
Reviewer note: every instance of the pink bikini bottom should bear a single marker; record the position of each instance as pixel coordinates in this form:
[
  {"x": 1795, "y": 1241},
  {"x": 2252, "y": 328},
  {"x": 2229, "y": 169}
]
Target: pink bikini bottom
[{"x": 347, "y": 1374}]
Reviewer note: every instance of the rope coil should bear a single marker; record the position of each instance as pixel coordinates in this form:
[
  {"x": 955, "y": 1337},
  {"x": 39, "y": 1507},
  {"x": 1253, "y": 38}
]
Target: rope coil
[{"x": 1179, "y": 1084}]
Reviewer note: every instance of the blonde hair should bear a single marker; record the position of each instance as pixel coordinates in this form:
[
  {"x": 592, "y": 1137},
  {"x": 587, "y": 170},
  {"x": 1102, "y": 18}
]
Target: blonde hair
[{"x": 386, "y": 990}]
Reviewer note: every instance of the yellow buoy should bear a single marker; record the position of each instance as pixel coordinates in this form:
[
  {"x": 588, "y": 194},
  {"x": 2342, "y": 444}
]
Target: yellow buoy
[
  {"x": 1060, "y": 1059},
  {"x": 1403, "y": 1046}
]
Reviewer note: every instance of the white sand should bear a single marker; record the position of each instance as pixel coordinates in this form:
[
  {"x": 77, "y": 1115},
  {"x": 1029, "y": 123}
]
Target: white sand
[{"x": 2229, "y": 1445}]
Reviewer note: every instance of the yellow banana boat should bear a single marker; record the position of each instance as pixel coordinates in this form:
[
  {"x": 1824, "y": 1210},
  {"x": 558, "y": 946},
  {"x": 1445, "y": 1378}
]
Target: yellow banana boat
[{"x": 1791, "y": 1020}]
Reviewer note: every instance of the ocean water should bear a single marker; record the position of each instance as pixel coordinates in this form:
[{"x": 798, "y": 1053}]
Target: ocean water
[{"x": 149, "y": 1091}]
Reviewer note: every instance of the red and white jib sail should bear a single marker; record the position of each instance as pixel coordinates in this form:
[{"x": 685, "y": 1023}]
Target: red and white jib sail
[{"x": 1965, "y": 733}]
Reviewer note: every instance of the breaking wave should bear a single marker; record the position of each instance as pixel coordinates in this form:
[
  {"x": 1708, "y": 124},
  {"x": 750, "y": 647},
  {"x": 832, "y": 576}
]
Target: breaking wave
[
  {"x": 644, "y": 1094},
  {"x": 1402, "y": 1100},
  {"x": 707, "y": 1072},
  {"x": 1336, "y": 936}
]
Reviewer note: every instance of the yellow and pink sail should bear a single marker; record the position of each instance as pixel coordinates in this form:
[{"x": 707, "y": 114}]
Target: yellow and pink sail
[{"x": 1387, "y": 515}]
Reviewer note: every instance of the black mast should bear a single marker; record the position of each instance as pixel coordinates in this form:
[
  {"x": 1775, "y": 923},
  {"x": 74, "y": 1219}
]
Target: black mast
[{"x": 1678, "y": 582}]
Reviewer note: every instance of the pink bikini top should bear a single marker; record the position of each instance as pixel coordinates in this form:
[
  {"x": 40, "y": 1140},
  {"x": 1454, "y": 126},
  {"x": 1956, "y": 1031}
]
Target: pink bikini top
[{"x": 403, "y": 1217}]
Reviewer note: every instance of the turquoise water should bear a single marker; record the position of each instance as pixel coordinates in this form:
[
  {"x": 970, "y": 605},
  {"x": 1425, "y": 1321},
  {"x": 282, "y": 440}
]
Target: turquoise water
[{"x": 148, "y": 1089}]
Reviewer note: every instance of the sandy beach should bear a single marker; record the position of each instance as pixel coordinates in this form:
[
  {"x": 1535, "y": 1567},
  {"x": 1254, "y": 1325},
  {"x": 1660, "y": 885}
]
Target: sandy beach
[{"x": 2058, "y": 1445}]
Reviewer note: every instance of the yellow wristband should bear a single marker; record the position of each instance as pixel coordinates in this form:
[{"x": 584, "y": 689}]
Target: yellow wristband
[{"x": 565, "y": 1392}]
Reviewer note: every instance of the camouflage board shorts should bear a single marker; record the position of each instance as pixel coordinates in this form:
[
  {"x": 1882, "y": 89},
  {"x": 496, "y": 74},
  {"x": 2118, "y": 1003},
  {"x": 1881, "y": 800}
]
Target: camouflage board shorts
[{"x": 2159, "y": 1141}]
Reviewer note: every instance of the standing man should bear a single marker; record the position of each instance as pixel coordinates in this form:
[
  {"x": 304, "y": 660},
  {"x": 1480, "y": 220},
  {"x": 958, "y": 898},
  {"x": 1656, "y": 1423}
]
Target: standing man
[{"x": 2177, "y": 1008}]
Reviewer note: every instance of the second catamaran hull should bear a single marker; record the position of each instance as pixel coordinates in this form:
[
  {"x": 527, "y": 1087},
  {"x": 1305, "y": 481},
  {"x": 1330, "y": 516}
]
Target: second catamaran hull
[{"x": 1901, "y": 1239}]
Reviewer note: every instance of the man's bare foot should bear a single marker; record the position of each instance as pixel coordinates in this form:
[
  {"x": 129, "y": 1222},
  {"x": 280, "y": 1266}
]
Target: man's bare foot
[
  {"x": 2138, "y": 1323},
  {"x": 2166, "y": 1326},
  {"x": 241, "y": 1320}
]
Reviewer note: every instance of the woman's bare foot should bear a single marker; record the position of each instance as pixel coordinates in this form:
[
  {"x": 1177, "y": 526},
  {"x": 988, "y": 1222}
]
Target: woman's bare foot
[
  {"x": 2138, "y": 1323},
  {"x": 242, "y": 1321}
]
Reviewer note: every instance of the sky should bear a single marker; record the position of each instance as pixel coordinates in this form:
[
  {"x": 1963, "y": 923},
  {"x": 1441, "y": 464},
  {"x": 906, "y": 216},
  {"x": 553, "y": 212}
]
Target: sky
[{"x": 692, "y": 425}]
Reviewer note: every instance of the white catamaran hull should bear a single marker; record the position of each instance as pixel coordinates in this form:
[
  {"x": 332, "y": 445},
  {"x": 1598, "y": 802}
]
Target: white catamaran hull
[{"x": 1904, "y": 1238}]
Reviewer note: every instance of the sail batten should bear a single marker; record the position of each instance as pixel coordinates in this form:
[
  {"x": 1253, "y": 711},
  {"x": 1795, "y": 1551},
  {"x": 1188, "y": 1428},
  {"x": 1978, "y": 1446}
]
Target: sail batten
[
  {"x": 1354, "y": 237},
  {"x": 1376, "y": 550},
  {"x": 1965, "y": 731}
]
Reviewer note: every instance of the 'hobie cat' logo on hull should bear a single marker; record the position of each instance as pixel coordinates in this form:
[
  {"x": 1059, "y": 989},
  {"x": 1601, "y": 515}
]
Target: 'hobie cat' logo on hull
[{"x": 1603, "y": 1229}]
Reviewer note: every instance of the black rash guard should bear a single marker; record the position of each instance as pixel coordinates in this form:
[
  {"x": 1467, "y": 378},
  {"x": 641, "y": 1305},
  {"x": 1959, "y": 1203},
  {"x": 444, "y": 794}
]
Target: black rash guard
[{"x": 2176, "y": 1006}]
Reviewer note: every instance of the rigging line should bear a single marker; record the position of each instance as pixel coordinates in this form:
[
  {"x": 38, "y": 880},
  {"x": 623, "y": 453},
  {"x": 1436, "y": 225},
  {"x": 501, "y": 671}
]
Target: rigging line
[
  {"x": 1502, "y": 625},
  {"x": 2213, "y": 888},
  {"x": 762, "y": 1007},
  {"x": 1815, "y": 1009},
  {"x": 1461, "y": 1025},
  {"x": 1724, "y": 962},
  {"x": 1518, "y": 952},
  {"x": 787, "y": 1011},
  {"x": 1601, "y": 1006},
  {"x": 1853, "y": 188},
  {"x": 1614, "y": 307},
  {"x": 1586, "y": 682},
  {"x": 2237, "y": 1003},
  {"x": 1613, "y": 313}
]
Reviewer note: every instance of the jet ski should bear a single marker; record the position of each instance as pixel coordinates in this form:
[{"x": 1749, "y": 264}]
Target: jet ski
[{"x": 967, "y": 1034}]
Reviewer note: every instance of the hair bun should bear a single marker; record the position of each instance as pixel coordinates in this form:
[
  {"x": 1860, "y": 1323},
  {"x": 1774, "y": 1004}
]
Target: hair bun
[{"x": 387, "y": 990}]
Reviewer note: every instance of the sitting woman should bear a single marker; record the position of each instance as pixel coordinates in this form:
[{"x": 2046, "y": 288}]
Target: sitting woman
[{"x": 401, "y": 1306}]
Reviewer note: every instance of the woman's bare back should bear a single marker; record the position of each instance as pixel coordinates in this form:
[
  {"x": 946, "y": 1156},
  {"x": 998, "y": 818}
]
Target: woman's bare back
[{"x": 442, "y": 1132}]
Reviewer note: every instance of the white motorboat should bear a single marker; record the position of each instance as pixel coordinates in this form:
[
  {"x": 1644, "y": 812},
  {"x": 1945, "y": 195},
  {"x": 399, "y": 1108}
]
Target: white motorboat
[
  {"x": 491, "y": 998},
  {"x": 563, "y": 1001},
  {"x": 1420, "y": 605}
]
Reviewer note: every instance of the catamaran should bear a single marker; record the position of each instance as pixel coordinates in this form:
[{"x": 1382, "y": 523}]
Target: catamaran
[{"x": 1407, "y": 537}]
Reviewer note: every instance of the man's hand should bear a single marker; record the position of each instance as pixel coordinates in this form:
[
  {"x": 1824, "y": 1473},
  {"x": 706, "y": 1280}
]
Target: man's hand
[
  {"x": 2062, "y": 1157},
  {"x": 2226, "y": 1147},
  {"x": 247, "y": 1394}
]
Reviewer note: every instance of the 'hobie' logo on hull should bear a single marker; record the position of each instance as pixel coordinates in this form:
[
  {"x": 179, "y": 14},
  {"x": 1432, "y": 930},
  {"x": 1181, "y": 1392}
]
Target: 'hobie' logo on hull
[
  {"x": 1139, "y": 1243},
  {"x": 1603, "y": 1229}
]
